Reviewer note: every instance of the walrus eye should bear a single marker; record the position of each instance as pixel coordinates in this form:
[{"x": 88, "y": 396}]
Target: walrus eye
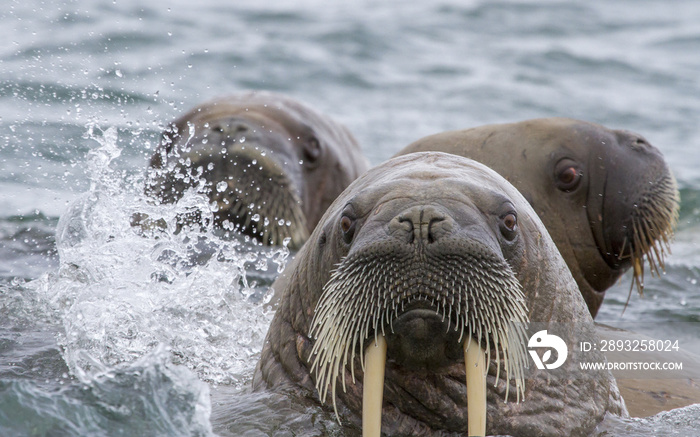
[
  {"x": 568, "y": 175},
  {"x": 510, "y": 221},
  {"x": 312, "y": 150},
  {"x": 347, "y": 226},
  {"x": 509, "y": 225}
]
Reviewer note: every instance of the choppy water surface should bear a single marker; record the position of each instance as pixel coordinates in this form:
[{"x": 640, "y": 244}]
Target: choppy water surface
[{"x": 110, "y": 330}]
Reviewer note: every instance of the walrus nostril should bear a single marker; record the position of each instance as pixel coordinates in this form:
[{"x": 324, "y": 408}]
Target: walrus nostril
[
  {"x": 233, "y": 128},
  {"x": 424, "y": 224},
  {"x": 403, "y": 227},
  {"x": 640, "y": 144},
  {"x": 437, "y": 227}
]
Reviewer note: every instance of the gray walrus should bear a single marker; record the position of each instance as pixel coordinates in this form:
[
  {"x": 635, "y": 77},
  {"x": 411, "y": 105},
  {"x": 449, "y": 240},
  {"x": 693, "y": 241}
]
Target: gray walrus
[
  {"x": 607, "y": 197},
  {"x": 427, "y": 262},
  {"x": 271, "y": 164}
]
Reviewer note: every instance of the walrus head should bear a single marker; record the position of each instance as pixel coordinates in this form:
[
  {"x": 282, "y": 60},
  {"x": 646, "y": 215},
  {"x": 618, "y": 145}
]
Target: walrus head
[
  {"x": 269, "y": 165},
  {"x": 422, "y": 267},
  {"x": 430, "y": 273},
  {"x": 607, "y": 197}
]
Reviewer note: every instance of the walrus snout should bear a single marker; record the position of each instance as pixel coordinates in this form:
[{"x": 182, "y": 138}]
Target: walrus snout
[
  {"x": 639, "y": 219},
  {"x": 260, "y": 196},
  {"x": 420, "y": 340},
  {"x": 251, "y": 179}
]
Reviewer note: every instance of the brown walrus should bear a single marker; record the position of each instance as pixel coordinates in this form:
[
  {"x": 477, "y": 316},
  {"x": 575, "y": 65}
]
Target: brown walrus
[
  {"x": 416, "y": 263},
  {"x": 270, "y": 164},
  {"x": 607, "y": 197}
]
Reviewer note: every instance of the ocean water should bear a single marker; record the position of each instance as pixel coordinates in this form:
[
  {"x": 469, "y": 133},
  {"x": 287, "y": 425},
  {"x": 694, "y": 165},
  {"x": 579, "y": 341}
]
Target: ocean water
[{"x": 105, "y": 331}]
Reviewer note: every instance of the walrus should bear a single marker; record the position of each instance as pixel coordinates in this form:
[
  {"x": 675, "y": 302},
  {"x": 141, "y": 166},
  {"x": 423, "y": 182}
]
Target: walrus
[
  {"x": 607, "y": 197},
  {"x": 425, "y": 263},
  {"x": 271, "y": 165}
]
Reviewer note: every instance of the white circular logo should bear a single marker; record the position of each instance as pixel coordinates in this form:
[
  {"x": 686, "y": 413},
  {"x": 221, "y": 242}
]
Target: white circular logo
[{"x": 541, "y": 339}]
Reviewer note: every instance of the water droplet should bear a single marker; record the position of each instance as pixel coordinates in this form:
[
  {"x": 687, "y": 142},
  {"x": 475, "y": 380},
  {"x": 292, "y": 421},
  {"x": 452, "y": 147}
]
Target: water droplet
[
  {"x": 241, "y": 140},
  {"x": 280, "y": 222},
  {"x": 221, "y": 186},
  {"x": 210, "y": 166},
  {"x": 255, "y": 161},
  {"x": 269, "y": 294},
  {"x": 228, "y": 225},
  {"x": 255, "y": 218}
]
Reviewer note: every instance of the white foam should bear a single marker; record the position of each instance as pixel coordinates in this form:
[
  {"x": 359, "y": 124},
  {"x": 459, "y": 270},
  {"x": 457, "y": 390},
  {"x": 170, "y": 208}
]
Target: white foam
[{"x": 121, "y": 290}]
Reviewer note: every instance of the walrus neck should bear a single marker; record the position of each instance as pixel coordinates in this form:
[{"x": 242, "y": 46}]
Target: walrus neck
[
  {"x": 592, "y": 297},
  {"x": 283, "y": 334},
  {"x": 593, "y": 294}
]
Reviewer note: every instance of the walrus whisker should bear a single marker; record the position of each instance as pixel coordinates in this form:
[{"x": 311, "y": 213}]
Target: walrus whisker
[
  {"x": 339, "y": 334},
  {"x": 653, "y": 225},
  {"x": 271, "y": 226},
  {"x": 622, "y": 254}
]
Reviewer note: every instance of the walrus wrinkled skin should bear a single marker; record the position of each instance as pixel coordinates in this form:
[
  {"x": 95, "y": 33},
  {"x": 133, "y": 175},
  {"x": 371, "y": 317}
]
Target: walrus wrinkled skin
[
  {"x": 434, "y": 240},
  {"x": 607, "y": 197},
  {"x": 270, "y": 164}
]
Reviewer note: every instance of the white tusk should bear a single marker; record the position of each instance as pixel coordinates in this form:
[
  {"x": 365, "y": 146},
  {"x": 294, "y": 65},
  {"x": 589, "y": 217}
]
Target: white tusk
[
  {"x": 475, "y": 362},
  {"x": 373, "y": 388}
]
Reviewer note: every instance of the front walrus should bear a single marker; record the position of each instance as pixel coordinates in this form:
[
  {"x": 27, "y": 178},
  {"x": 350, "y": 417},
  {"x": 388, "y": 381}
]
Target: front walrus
[{"x": 438, "y": 261}]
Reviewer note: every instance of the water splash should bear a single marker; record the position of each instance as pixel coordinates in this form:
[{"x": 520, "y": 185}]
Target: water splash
[
  {"x": 676, "y": 422},
  {"x": 150, "y": 394},
  {"x": 121, "y": 290}
]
